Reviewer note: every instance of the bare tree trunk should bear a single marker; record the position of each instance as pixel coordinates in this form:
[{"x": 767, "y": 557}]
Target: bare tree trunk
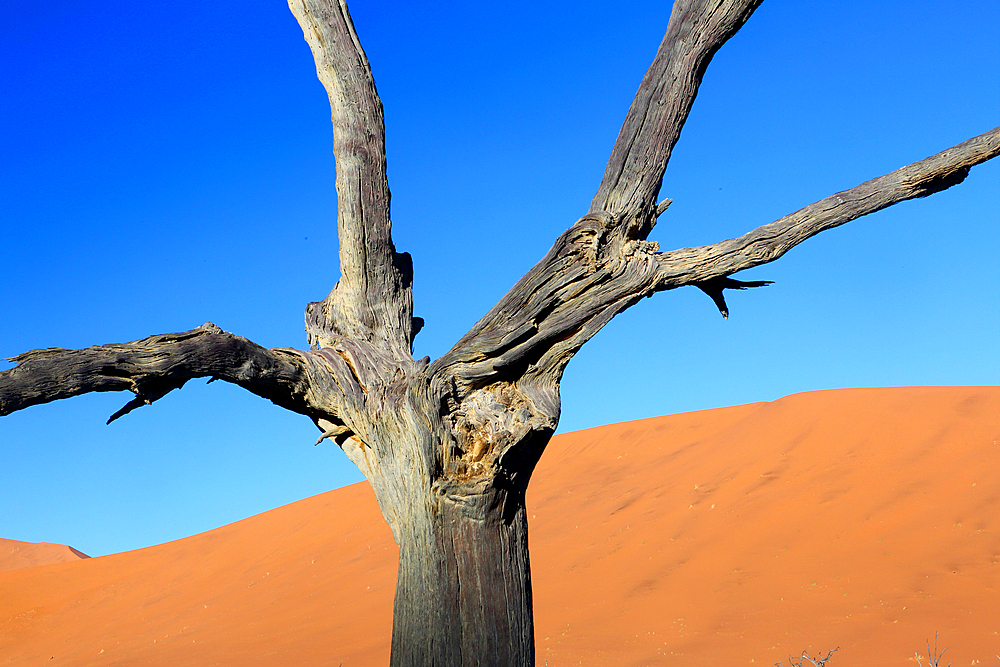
[{"x": 463, "y": 592}]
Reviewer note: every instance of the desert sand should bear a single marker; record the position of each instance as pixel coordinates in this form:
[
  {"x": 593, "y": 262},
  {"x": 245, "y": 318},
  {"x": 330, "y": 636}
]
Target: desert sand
[
  {"x": 865, "y": 519},
  {"x": 15, "y": 555}
]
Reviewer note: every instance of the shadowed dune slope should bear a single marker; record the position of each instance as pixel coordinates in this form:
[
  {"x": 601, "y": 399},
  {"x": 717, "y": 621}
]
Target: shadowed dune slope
[
  {"x": 865, "y": 519},
  {"x": 15, "y": 555}
]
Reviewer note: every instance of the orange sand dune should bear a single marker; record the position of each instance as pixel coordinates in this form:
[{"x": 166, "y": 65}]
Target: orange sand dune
[
  {"x": 15, "y": 555},
  {"x": 865, "y": 519}
]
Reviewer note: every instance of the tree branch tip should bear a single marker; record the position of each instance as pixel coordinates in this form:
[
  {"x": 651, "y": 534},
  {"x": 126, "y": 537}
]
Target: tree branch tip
[
  {"x": 713, "y": 288},
  {"x": 739, "y": 284},
  {"x": 663, "y": 206},
  {"x": 127, "y": 408},
  {"x": 24, "y": 356},
  {"x": 332, "y": 433}
]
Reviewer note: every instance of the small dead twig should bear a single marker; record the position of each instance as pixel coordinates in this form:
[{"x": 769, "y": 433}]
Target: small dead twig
[
  {"x": 935, "y": 659},
  {"x": 818, "y": 661}
]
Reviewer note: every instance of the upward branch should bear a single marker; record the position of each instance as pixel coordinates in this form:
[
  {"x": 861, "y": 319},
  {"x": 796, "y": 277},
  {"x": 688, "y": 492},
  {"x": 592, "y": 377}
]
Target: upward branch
[
  {"x": 602, "y": 264},
  {"x": 373, "y": 301},
  {"x": 585, "y": 280},
  {"x": 591, "y": 272},
  {"x": 697, "y": 30}
]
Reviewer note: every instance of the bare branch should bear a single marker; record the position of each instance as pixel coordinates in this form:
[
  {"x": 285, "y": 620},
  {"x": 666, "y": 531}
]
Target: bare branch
[
  {"x": 632, "y": 178},
  {"x": 602, "y": 265},
  {"x": 587, "y": 277},
  {"x": 713, "y": 288},
  {"x": 769, "y": 242},
  {"x": 373, "y": 300},
  {"x": 152, "y": 367},
  {"x": 933, "y": 659},
  {"x": 591, "y": 274},
  {"x": 818, "y": 661}
]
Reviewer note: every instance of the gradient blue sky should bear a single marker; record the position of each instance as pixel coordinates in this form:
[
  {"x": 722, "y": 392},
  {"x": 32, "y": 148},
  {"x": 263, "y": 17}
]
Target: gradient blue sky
[{"x": 168, "y": 164}]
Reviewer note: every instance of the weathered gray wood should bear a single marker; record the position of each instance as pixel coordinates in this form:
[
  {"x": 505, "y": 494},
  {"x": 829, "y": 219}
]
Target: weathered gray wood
[
  {"x": 373, "y": 301},
  {"x": 154, "y": 366},
  {"x": 449, "y": 446},
  {"x": 769, "y": 242},
  {"x": 463, "y": 591},
  {"x": 632, "y": 178},
  {"x": 592, "y": 273},
  {"x": 319, "y": 384}
]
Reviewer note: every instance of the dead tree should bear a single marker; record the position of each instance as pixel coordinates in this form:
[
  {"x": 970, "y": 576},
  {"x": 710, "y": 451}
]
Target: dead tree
[{"x": 449, "y": 445}]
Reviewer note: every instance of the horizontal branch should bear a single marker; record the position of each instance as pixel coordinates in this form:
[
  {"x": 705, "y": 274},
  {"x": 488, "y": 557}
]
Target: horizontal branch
[
  {"x": 154, "y": 366},
  {"x": 769, "y": 242}
]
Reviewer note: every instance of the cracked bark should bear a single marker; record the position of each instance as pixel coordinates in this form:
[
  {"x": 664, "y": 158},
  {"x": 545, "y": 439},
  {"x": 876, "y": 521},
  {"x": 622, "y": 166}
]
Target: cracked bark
[{"x": 449, "y": 446}]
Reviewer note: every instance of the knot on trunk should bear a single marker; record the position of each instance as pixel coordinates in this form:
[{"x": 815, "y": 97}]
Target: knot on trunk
[
  {"x": 604, "y": 239},
  {"x": 589, "y": 235},
  {"x": 488, "y": 422},
  {"x": 326, "y": 324}
]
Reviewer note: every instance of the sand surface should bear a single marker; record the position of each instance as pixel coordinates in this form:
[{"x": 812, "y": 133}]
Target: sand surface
[
  {"x": 867, "y": 519},
  {"x": 15, "y": 555}
]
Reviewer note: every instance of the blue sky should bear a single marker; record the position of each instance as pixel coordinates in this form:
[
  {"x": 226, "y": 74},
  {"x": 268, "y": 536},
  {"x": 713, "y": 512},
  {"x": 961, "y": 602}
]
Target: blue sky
[{"x": 169, "y": 164}]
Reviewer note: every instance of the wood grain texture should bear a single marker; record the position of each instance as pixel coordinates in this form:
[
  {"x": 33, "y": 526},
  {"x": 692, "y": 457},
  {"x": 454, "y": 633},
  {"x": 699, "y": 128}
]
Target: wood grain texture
[
  {"x": 632, "y": 178},
  {"x": 373, "y": 300},
  {"x": 769, "y": 242},
  {"x": 592, "y": 273},
  {"x": 315, "y": 384},
  {"x": 152, "y": 367}
]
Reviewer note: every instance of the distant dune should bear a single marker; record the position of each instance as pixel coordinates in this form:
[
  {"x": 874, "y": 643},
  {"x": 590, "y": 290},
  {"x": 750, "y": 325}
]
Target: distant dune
[
  {"x": 15, "y": 555},
  {"x": 867, "y": 519}
]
